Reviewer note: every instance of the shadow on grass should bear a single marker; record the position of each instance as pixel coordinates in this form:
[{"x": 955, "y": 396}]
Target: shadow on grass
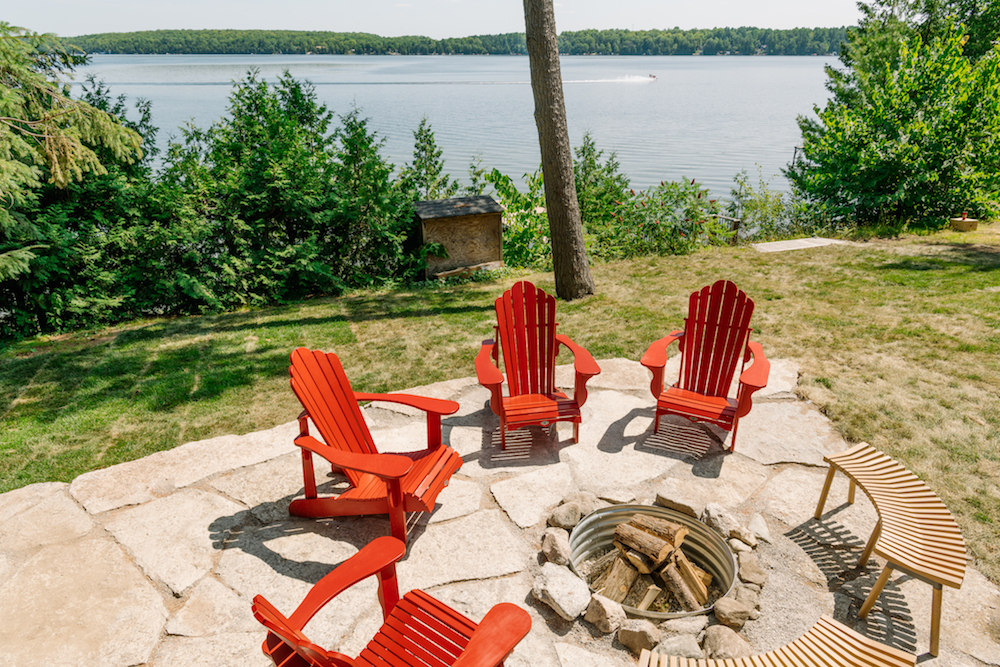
[{"x": 951, "y": 255}]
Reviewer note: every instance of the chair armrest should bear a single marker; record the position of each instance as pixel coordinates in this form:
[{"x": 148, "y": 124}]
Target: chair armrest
[
  {"x": 487, "y": 374},
  {"x": 583, "y": 361},
  {"x": 756, "y": 376},
  {"x": 656, "y": 358},
  {"x": 752, "y": 379},
  {"x": 656, "y": 354},
  {"x": 383, "y": 466},
  {"x": 490, "y": 376},
  {"x": 437, "y": 406},
  {"x": 379, "y": 554},
  {"x": 499, "y": 632},
  {"x": 583, "y": 364}
]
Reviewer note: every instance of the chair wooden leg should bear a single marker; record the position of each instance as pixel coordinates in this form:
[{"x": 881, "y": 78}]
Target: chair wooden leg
[
  {"x": 876, "y": 591},
  {"x": 656, "y": 423},
  {"x": 397, "y": 517},
  {"x": 576, "y": 431},
  {"x": 503, "y": 436},
  {"x": 850, "y": 492},
  {"x": 308, "y": 474},
  {"x": 867, "y": 553},
  {"x": 826, "y": 491},
  {"x": 732, "y": 439},
  {"x": 936, "y": 619}
]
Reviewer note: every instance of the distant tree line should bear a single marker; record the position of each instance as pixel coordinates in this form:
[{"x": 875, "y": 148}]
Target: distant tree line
[{"x": 734, "y": 41}]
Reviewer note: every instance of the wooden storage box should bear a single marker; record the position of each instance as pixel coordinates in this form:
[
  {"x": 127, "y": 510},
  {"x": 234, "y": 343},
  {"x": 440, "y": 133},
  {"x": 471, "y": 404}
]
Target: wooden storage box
[{"x": 470, "y": 229}]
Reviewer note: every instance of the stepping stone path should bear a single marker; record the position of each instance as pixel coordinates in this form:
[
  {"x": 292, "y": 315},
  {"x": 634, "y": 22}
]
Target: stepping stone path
[{"x": 154, "y": 562}]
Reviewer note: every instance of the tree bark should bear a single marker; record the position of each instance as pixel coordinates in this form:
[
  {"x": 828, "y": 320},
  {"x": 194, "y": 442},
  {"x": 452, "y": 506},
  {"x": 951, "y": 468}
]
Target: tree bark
[{"x": 569, "y": 256}]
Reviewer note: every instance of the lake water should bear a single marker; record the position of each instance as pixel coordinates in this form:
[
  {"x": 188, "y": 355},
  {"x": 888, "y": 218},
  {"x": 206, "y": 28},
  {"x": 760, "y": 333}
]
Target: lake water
[{"x": 701, "y": 117}]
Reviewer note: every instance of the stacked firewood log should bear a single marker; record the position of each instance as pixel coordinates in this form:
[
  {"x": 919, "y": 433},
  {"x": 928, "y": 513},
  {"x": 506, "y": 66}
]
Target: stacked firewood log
[{"x": 647, "y": 562}]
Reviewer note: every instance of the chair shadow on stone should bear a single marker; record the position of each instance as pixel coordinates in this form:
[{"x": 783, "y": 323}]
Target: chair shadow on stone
[
  {"x": 835, "y": 550},
  {"x": 683, "y": 437},
  {"x": 251, "y": 531}
]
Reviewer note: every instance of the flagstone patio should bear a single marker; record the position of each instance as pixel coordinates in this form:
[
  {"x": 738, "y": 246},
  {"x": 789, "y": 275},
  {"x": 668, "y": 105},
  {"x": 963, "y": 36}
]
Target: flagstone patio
[{"x": 154, "y": 562}]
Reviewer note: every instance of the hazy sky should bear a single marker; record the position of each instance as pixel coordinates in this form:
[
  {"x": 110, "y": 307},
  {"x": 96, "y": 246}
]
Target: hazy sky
[{"x": 432, "y": 18}]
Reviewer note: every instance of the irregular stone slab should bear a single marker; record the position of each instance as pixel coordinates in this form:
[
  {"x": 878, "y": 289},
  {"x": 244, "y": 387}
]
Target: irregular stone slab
[
  {"x": 751, "y": 571},
  {"x": 459, "y": 498},
  {"x": 228, "y": 649},
  {"x": 267, "y": 488},
  {"x": 527, "y": 498},
  {"x": 16, "y": 501},
  {"x": 478, "y": 546},
  {"x": 685, "y": 646},
  {"x": 716, "y": 517},
  {"x": 562, "y": 590},
  {"x": 555, "y": 546},
  {"x": 731, "y": 612},
  {"x": 722, "y": 643},
  {"x": 739, "y": 545},
  {"x": 618, "y": 374},
  {"x": 728, "y": 479},
  {"x": 614, "y": 475},
  {"x": 759, "y": 528},
  {"x": 604, "y": 614},
  {"x": 636, "y": 634},
  {"x": 36, "y": 517},
  {"x": 797, "y": 244},
  {"x": 587, "y": 502},
  {"x": 745, "y": 535},
  {"x": 565, "y": 516},
  {"x": 690, "y": 625},
  {"x": 791, "y": 497},
  {"x": 571, "y": 655},
  {"x": 782, "y": 381},
  {"x": 283, "y": 562},
  {"x": 805, "y": 436},
  {"x": 173, "y": 539},
  {"x": 94, "y": 605},
  {"x": 159, "y": 474},
  {"x": 528, "y": 449},
  {"x": 212, "y": 608}
]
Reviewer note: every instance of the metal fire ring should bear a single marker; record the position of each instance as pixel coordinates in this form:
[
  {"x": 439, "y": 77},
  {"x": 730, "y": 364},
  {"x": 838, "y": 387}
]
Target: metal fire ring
[{"x": 702, "y": 545}]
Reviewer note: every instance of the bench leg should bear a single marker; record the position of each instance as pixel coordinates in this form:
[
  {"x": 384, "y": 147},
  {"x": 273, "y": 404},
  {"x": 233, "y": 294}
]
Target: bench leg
[
  {"x": 876, "y": 590},
  {"x": 850, "y": 492},
  {"x": 936, "y": 619},
  {"x": 867, "y": 553},
  {"x": 826, "y": 491}
]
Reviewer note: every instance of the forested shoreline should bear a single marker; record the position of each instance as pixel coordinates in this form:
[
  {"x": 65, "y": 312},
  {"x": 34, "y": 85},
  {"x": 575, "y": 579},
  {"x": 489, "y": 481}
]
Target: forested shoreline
[{"x": 715, "y": 41}]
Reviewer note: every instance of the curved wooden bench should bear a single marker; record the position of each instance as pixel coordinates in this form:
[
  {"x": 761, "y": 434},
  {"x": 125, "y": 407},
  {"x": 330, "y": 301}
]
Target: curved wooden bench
[
  {"x": 915, "y": 534},
  {"x": 826, "y": 644}
]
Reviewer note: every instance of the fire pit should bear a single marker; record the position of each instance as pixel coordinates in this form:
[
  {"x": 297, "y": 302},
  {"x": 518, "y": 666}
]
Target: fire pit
[{"x": 702, "y": 546}]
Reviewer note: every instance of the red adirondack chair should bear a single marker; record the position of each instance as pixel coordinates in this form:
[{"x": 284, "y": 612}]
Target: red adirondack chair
[
  {"x": 526, "y": 327},
  {"x": 390, "y": 484},
  {"x": 714, "y": 341},
  {"x": 419, "y": 631}
]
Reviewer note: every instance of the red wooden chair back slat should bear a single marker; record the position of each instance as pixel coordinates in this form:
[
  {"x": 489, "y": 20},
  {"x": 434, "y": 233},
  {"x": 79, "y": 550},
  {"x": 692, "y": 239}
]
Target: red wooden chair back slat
[
  {"x": 716, "y": 332},
  {"x": 526, "y": 327},
  {"x": 320, "y": 383}
]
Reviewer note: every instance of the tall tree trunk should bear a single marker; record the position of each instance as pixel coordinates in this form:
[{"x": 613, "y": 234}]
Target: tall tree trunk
[{"x": 569, "y": 257}]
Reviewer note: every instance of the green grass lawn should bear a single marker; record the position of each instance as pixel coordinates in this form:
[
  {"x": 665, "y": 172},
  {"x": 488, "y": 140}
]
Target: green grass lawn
[{"x": 898, "y": 342}]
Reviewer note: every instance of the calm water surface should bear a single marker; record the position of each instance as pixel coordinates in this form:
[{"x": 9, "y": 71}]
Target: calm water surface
[{"x": 701, "y": 117}]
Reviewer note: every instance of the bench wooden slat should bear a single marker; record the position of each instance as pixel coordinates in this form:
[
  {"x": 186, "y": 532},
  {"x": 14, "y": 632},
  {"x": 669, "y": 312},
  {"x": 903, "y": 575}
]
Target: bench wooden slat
[{"x": 916, "y": 532}]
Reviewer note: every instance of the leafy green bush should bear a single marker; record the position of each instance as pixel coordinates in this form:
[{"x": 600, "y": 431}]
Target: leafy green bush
[
  {"x": 915, "y": 144},
  {"x": 673, "y": 218},
  {"x": 525, "y": 223}
]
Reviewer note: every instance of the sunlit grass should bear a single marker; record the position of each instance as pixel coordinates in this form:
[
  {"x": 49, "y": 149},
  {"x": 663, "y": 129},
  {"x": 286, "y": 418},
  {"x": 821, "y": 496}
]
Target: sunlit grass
[{"x": 898, "y": 342}]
